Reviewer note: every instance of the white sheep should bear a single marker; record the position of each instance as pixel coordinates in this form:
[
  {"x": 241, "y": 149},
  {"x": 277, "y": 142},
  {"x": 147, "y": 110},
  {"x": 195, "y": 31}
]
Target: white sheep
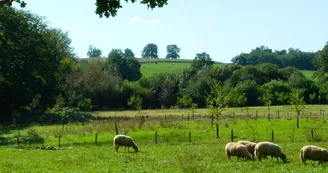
[
  {"x": 263, "y": 149},
  {"x": 315, "y": 153},
  {"x": 239, "y": 150},
  {"x": 249, "y": 145},
  {"x": 123, "y": 140}
]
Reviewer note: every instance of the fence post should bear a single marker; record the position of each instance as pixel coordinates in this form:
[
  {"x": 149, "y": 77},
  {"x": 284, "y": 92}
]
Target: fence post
[
  {"x": 256, "y": 115},
  {"x": 278, "y": 113},
  {"x": 272, "y": 135},
  {"x": 312, "y": 134},
  {"x": 189, "y": 136},
  {"x": 231, "y": 135},
  {"x": 58, "y": 140},
  {"x": 96, "y": 139},
  {"x": 217, "y": 131},
  {"x": 155, "y": 137}
]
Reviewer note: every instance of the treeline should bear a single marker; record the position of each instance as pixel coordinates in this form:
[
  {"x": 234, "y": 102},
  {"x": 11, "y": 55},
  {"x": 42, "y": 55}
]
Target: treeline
[
  {"x": 39, "y": 74},
  {"x": 283, "y": 58}
]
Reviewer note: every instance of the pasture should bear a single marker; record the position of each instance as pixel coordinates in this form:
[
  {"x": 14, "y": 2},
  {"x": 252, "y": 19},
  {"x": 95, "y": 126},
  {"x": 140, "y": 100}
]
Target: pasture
[{"x": 186, "y": 142}]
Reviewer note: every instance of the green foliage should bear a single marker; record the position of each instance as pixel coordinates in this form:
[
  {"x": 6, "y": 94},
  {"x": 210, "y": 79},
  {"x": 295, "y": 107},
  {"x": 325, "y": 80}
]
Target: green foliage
[
  {"x": 172, "y": 51},
  {"x": 127, "y": 68},
  {"x": 296, "y": 99},
  {"x": 313, "y": 96},
  {"x": 135, "y": 102},
  {"x": 29, "y": 70},
  {"x": 128, "y": 53},
  {"x": 292, "y": 58},
  {"x": 321, "y": 61},
  {"x": 202, "y": 60},
  {"x": 85, "y": 104},
  {"x": 150, "y": 51},
  {"x": 109, "y": 7},
  {"x": 185, "y": 101},
  {"x": 216, "y": 101},
  {"x": 93, "y": 52},
  {"x": 9, "y": 3}
]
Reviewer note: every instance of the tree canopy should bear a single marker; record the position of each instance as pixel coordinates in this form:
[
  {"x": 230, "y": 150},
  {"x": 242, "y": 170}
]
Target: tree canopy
[
  {"x": 150, "y": 51},
  {"x": 105, "y": 8},
  {"x": 172, "y": 51},
  {"x": 34, "y": 60},
  {"x": 93, "y": 52}
]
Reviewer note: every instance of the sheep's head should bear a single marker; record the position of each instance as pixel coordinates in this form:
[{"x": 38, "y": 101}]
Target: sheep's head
[
  {"x": 135, "y": 147},
  {"x": 283, "y": 157}
]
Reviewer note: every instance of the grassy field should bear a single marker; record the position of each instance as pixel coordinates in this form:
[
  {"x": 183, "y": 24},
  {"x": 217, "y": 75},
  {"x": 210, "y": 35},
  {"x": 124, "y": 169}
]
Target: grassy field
[
  {"x": 174, "y": 151},
  {"x": 150, "y": 67}
]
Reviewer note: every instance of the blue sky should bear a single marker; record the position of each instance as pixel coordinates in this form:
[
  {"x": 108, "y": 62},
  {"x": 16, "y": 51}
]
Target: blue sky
[{"x": 221, "y": 28}]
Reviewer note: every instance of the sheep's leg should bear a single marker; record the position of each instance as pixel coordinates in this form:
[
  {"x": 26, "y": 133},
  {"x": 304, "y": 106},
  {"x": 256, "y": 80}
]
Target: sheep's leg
[
  {"x": 128, "y": 149},
  {"x": 116, "y": 148}
]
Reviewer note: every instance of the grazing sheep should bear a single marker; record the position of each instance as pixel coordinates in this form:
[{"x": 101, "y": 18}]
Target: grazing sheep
[
  {"x": 263, "y": 149},
  {"x": 249, "y": 145},
  {"x": 239, "y": 150},
  {"x": 315, "y": 153},
  {"x": 123, "y": 140}
]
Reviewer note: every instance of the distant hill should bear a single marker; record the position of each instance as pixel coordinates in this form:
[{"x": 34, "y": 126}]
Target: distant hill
[{"x": 151, "y": 66}]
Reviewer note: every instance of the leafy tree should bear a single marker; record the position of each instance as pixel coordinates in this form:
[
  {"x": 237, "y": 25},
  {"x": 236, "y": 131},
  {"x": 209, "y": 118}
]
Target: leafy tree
[
  {"x": 216, "y": 101},
  {"x": 150, "y": 51},
  {"x": 28, "y": 68},
  {"x": 296, "y": 99},
  {"x": 93, "y": 52},
  {"x": 85, "y": 105},
  {"x": 104, "y": 7},
  {"x": 312, "y": 97},
  {"x": 172, "y": 51},
  {"x": 266, "y": 99},
  {"x": 127, "y": 68},
  {"x": 202, "y": 60},
  {"x": 128, "y": 53},
  {"x": 135, "y": 101},
  {"x": 322, "y": 61}
]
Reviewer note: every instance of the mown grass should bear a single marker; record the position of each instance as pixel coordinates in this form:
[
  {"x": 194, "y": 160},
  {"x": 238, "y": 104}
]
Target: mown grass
[{"x": 173, "y": 152}]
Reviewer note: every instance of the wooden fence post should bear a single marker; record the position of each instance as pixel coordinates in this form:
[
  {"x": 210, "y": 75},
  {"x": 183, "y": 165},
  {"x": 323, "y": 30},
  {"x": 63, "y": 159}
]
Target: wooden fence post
[
  {"x": 217, "y": 131},
  {"x": 189, "y": 136},
  {"x": 96, "y": 139},
  {"x": 155, "y": 137},
  {"x": 312, "y": 134},
  {"x": 231, "y": 135},
  {"x": 272, "y": 135},
  {"x": 58, "y": 140}
]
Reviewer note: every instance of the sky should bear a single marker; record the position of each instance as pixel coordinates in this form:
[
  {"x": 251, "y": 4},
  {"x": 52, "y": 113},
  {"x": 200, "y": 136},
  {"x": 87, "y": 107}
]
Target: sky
[{"x": 221, "y": 28}]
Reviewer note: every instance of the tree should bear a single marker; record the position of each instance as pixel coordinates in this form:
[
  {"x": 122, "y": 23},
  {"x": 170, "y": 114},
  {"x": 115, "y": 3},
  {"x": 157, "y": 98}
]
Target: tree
[
  {"x": 296, "y": 99},
  {"x": 93, "y": 52},
  {"x": 322, "y": 61},
  {"x": 150, "y": 51},
  {"x": 33, "y": 64},
  {"x": 127, "y": 68},
  {"x": 172, "y": 51},
  {"x": 128, "y": 53},
  {"x": 202, "y": 60},
  {"x": 104, "y": 7},
  {"x": 135, "y": 102},
  {"x": 216, "y": 101}
]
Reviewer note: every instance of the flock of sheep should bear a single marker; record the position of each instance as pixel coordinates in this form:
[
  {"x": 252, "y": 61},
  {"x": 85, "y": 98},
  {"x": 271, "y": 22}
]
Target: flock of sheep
[{"x": 247, "y": 150}]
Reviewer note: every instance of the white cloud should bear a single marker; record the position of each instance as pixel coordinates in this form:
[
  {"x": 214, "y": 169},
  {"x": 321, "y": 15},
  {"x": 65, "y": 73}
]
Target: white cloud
[
  {"x": 138, "y": 19},
  {"x": 135, "y": 19},
  {"x": 152, "y": 21}
]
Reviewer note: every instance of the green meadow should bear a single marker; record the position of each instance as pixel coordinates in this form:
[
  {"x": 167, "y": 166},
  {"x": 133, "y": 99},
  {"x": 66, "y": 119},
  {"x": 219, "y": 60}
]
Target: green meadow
[{"x": 186, "y": 141}]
